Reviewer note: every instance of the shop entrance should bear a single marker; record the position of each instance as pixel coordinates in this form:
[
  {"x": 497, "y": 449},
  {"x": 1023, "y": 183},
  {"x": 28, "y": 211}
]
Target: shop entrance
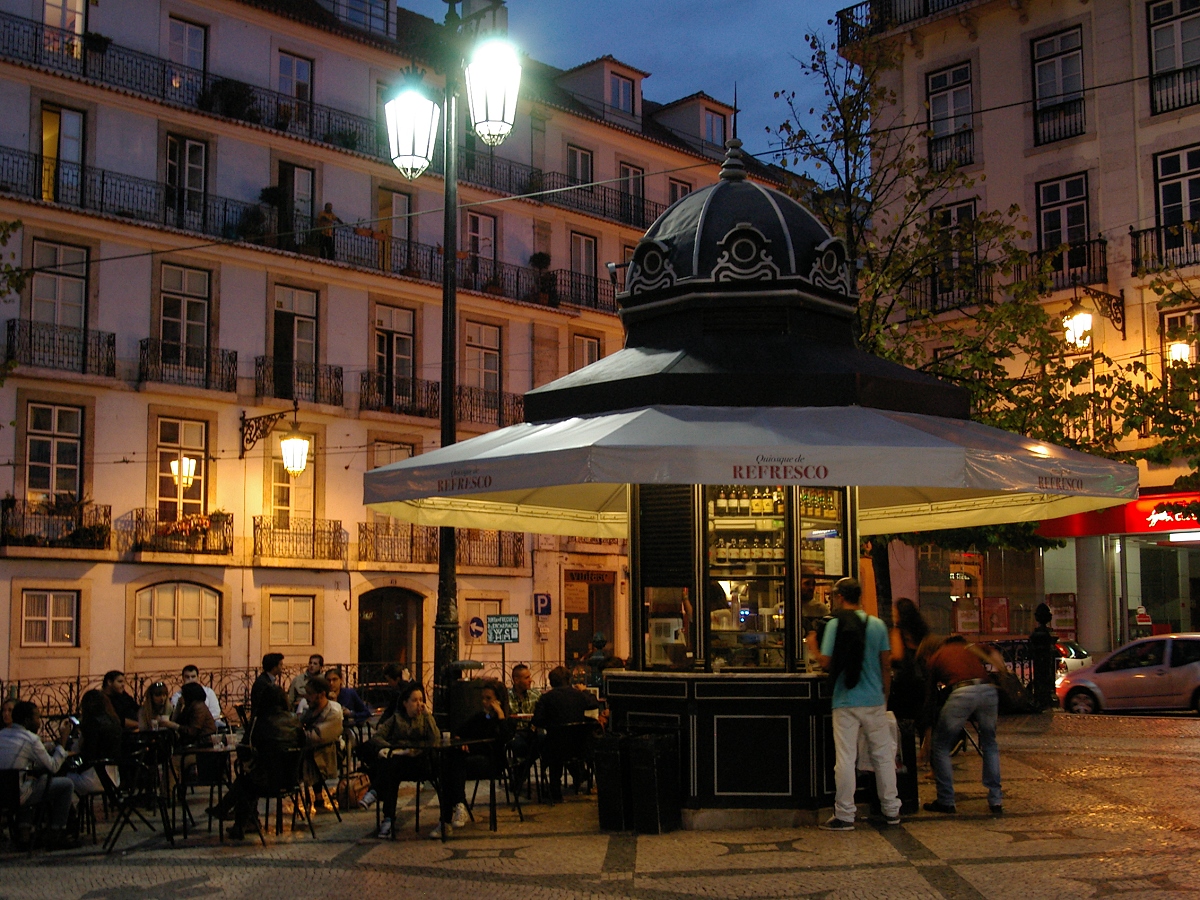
[
  {"x": 587, "y": 609},
  {"x": 389, "y": 630}
]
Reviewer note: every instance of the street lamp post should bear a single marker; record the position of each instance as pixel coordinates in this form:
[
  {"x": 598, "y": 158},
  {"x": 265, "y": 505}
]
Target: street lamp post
[{"x": 493, "y": 80}]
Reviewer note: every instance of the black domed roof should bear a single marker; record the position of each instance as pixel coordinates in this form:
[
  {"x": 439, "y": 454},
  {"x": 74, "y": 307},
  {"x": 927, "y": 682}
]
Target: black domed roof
[{"x": 736, "y": 231}]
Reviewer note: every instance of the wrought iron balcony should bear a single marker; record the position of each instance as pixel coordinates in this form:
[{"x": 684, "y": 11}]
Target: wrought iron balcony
[
  {"x": 484, "y": 169},
  {"x": 484, "y": 407},
  {"x": 957, "y": 148},
  {"x": 299, "y": 538},
  {"x": 170, "y": 363},
  {"x": 1175, "y": 246},
  {"x": 373, "y": 16},
  {"x": 62, "y": 347},
  {"x": 1082, "y": 262},
  {"x": 194, "y": 533},
  {"x": 578, "y": 289},
  {"x": 60, "y": 523},
  {"x": 1058, "y": 122},
  {"x": 600, "y": 200},
  {"x": 500, "y": 549},
  {"x": 1174, "y": 90},
  {"x": 287, "y": 380},
  {"x": 872, "y": 17},
  {"x": 397, "y": 542},
  {"x": 967, "y": 285},
  {"x": 403, "y": 396}
]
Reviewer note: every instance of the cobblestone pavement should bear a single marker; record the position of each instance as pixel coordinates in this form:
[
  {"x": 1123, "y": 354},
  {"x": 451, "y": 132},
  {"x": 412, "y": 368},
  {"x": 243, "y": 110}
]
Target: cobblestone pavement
[{"x": 1094, "y": 807}]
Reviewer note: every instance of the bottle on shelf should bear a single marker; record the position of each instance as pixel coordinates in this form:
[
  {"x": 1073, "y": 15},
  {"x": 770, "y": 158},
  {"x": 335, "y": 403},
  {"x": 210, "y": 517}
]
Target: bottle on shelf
[
  {"x": 778, "y": 501},
  {"x": 756, "y": 503},
  {"x": 722, "y": 504},
  {"x": 722, "y": 552},
  {"x": 744, "y": 502}
]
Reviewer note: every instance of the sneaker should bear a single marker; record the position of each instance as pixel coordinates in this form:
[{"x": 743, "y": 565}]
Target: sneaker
[
  {"x": 892, "y": 820},
  {"x": 836, "y": 824},
  {"x": 996, "y": 809},
  {"x": 443, "y": 829},
  {"x": 385, "y": 829},
  {"x": 939, "y": 808},
  {"x": 459, "y": 817},
  {"x": 368, "y": 800}
]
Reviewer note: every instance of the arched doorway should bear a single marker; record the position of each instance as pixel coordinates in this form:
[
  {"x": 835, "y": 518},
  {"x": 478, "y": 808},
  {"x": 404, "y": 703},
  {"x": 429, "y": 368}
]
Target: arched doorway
[{"x": 389, "y": 630}]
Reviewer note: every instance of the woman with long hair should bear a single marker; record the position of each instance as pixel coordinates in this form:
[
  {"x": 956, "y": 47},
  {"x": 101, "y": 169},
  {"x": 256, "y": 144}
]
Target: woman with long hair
[
  {"x": 99, "y": 739},
  {"x": 193, "y": 720},
  {"x": 906, "y": 699},
  {"x": 395, "y": 757},
  {"x": 155, "y": 712}
]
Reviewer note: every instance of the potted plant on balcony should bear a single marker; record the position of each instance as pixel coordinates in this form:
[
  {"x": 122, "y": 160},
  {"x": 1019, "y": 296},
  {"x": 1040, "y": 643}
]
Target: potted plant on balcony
[
  {"x": 545, "y": 280},
  {"x": 94, "y": 42}
]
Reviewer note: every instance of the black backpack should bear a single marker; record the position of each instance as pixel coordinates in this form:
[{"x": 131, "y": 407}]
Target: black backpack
[{"x": 848, "y": 648}]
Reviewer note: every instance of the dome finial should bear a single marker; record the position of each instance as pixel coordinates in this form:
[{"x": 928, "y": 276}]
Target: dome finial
[{"x": 733, "y": 169}]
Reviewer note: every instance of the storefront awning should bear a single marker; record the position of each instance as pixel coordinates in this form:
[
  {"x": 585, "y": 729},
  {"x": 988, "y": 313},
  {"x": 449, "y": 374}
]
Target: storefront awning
[
  {"x": 1136, "y": 517},
  {"x": 917, "y": 472}
]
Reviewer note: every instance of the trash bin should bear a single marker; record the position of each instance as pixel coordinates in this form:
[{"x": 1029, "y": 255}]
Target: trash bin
[
  {"x": 654, "y": 782},
  {"x": 610, "y": 759}
]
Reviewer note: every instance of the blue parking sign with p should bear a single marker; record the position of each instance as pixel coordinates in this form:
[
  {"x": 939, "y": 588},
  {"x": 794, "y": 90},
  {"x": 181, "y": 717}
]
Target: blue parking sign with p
[{"x": 541, "y": 604}]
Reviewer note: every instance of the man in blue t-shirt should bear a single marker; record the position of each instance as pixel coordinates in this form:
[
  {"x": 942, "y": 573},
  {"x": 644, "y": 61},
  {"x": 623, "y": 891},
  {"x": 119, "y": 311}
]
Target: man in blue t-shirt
[{"x": 859, "y": 702}]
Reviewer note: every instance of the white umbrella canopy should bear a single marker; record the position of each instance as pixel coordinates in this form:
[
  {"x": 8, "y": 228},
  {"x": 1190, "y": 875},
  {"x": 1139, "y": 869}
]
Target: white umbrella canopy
[{"x": 916, "y": 472}]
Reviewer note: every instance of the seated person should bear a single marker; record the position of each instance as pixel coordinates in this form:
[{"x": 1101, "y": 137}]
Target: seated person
[
  {"x": 21, "y": 748},
  {"x": 296, "y": 690},
  {"x": 397, "y": 677},
  {"x": 99, "y": 739},
  {"x": 156, "y": 710},
  {"x": 126, "y": 706},
  {"x": 354, "y": 710},
  {"x": 194, "y": 723},
  {"x": 192, "y": 673},
  {"x": 273, "y": 729},
  {"x": 272, "y": 669},
  {"x": 495, "y": 723},
  {"x": 397, "y": 755},
  {"x": 563, "y": 704},
  {"x": 322, "y": 724}
]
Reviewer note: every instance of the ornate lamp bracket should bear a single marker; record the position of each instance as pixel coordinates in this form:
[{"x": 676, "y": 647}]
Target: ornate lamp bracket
[
  {"x": 1111, "y": 306},
  {"x": 256, "y": 428}
]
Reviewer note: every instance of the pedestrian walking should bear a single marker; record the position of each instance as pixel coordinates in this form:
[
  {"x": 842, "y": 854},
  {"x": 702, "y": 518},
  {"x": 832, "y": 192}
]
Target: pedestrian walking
[
  {"x": 906, "y": 699},
  {"x": 969, "y": 696},
  {"x": 855, "y": 651},
  {"x": 1042, "y": 652}
]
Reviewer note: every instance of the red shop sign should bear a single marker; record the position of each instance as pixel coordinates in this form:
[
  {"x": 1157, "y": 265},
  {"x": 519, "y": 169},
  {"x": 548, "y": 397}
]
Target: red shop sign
[{"x": 1136, "y": 517}]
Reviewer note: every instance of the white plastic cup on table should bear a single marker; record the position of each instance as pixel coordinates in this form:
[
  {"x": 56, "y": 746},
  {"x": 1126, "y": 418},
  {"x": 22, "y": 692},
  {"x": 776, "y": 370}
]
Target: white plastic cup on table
[{"x": 445, "y": 737}]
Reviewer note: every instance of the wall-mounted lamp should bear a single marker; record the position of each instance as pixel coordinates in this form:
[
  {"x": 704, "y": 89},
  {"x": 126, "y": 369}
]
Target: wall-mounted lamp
[
  {"x": 294, "y": 446},
  {"x": 1077, "y": 322},
  {"x": 1179, "y": 352},
  {"x": 183, "y": 471}
]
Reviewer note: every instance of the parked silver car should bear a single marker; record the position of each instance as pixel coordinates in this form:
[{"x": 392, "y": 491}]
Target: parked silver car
[{"x": 1160, "y": 672}]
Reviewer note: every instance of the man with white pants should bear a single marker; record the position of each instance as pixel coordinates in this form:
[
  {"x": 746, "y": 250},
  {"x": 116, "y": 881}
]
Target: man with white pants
[{"x": 861, "y": 666}]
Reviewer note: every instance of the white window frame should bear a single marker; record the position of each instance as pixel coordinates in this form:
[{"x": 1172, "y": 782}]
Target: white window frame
[
  {"x": 482, "y": 351},
  {"x": 621, "y": 89},
  {"x": 481, "y": 235},
  {"x": 161, "y": 619},
  {"x": 296, "y": 76},
  {"x": 632, "y": 180},
  {"x": 1182, "y": 168},
  {"x": 286, "y": 614},
  {"x": 173, "y": 500},
  {"x": 1174, "y": 35},
  {"x": 714, "y": 127},
  {"x": 182, "y": 37},
  {"x": 583, "y": 254},
  {"x": 950, "y": 98},
  {"x": 59, "y": 286},
  {"x": 1058, "y": 67},
  {"x": 1070, "y": 199},
  {"x": 47, "y": 618},
  {"x": 677, "y": 190},
  {"x": 60, "y": 438},
  {"x": 585, "y": 350},
  {"x": 580, "y": 165}
]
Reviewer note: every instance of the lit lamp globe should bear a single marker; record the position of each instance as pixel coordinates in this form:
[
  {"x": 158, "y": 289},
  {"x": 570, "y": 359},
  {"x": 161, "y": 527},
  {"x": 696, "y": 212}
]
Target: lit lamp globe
[
  {"x": 1180, "y": 352},
  {"x": 412, "y": 124},
  {"x": 493, "y": 80},
  {"x": 1078, "y": 326},
  {"x": 294, "y": 449},
  {"x": 183, "y": 471}
]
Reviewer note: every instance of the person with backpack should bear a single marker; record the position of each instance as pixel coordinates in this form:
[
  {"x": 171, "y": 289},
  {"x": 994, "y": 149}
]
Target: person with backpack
[{"x": 856, "y": 652}]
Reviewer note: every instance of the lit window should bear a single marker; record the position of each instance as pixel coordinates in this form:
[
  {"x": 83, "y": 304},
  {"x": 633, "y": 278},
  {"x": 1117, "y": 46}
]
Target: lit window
[
  {"x": 49, "y": 619},
  {"x": 178, "y": 614}
]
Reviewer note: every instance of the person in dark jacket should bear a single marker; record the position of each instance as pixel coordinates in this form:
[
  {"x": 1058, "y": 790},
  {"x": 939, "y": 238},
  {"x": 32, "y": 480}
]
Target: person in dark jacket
[
  {"x": 906, "y": 698},
  {"x": 493, "y": 723},
  {"x": 272, "y": 668},
  {"x": 100, "y": 739},
  {"x": 1043, "y": 654},
  {"x": 355, "y": 711},
  {"x": 396, "y": 753},
  {"x": 195, "y": 723},
  {"x": 561, "y": 705},
  {"x": 124, "y": 705}
]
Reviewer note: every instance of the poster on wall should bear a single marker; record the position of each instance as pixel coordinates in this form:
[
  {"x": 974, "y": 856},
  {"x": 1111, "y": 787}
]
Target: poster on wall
[
  {"x": 995, "y": 615},
  {"x": 1062, "y": 609},
  {"x": 966, "y": 615}
]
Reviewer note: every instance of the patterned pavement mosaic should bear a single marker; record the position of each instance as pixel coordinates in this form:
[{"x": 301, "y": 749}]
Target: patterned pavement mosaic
[{"x": 1094, "y": 807}]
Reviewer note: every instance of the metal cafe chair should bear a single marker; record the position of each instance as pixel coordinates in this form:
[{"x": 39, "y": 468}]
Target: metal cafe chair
[
  {"x": 316, "y": 787},
  {"x": 200, "y": 767},
  {"x": 416, "y": 769},
  {"x": 275, "y": 776},
  {"x": 566, "y": 748},
  {"x": 10, "y": 806}
]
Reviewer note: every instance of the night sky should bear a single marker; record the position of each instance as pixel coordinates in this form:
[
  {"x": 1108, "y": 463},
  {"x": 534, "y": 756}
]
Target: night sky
[{"x": 686, "y": 45}]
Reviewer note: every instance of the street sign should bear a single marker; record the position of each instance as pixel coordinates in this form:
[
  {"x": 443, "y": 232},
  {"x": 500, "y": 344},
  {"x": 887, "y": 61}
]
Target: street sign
[
  {"x": 541, "y": 604},
  {"x": 475, "y": 627},
  {"x": 504, "y": 629},
  {"x": 1143, "y": 617}
]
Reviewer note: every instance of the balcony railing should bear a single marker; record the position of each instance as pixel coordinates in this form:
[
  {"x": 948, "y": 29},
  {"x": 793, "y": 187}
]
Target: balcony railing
[
  {"x": 373, "y": 16},
  {"x": 403, "y": 396},
  {"x": 58, "y": 523},
  {"x": 1058, "y": 122},
  {"x": 62, "y": 347},
  {"x": 871, "y": 17},
  {"x": 397, "y": 542},
  {"x": 485, "y": 169},
  {"x": 499, "y": 549},
  {"x": 170, "y": 363},
  {"x": 285, "y": 380},
  {"x": 957, "y": 148},
  {"x": 484, "y": 407},
  {"x": 578, "y": 289},
  {"x": 1172, "y": 246},
  {"x": 29, "y": 41},
  {"x": 299, "y": 538},
  {"x": 193, "y": 533},
  {"x": 968, "y": 285},
  {"x": 1174, "y": 90},
  {"x": 1083, "y": 262},
  {"x": 600, "y": 200}
]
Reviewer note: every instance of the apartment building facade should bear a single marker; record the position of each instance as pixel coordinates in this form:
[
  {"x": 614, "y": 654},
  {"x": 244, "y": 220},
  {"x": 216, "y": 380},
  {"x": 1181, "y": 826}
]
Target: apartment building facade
[
  {"x": 167, "y": 162},
  {"x": 1087, "y": 116}
]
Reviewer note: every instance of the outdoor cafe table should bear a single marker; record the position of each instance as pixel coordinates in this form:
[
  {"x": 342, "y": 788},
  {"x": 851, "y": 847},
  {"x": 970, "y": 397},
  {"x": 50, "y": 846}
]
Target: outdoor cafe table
[
  {"x": 210, "y": 761},
  {"x": 441, "y": 750}
]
